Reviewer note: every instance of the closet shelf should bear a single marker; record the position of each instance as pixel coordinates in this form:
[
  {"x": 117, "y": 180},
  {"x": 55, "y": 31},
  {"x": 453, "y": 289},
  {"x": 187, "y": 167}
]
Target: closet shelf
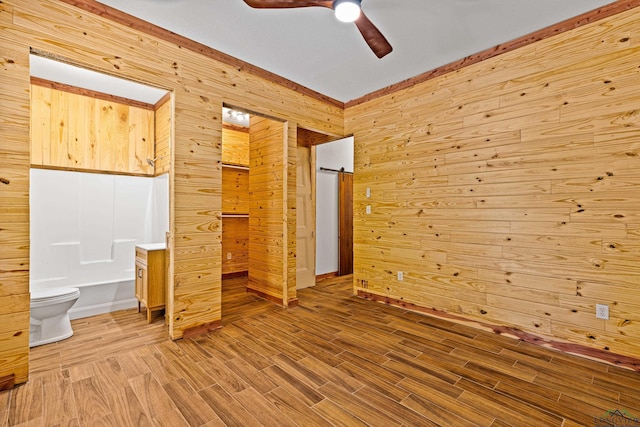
[{"x": 230, "y": 166}]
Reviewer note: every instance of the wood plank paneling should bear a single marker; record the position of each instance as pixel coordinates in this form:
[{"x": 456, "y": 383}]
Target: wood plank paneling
[
  {"x": 14, "y": 206},
  {"x": 78, "y": 132},
  {"x": 520, "y": 169},
  {"x": 163, "y": 114},
  {"x": 199, "y": 84},
  {"x": 235, "y": 245},
  {"x": 235, "y": 190},
  {"x": 267, "y": 209},
  {"x": 235, "y": 146}
]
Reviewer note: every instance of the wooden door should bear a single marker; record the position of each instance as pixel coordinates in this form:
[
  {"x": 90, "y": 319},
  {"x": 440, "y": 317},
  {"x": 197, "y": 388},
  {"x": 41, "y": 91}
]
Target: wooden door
[
  {"x": 345, "y": 231},
  {"x": 305, "y": 222}
]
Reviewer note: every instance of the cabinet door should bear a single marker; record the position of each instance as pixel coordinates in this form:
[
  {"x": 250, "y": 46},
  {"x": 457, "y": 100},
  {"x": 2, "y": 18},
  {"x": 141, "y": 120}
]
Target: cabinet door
[{"x": 141, "y": 283}]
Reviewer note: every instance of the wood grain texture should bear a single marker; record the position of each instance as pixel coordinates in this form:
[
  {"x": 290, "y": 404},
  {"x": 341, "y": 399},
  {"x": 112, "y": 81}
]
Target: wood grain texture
[
  {"x": 336, "y": 360},
  {"x": 503, "y": 191},
  {"x": 146, "y": 28},
  {"x": 163, "y": 132},
  {"x": 94, "y": 36},
  {"x": 14, "y": 206},
  {"x": 235, "y": 146},
  {"x": 235, "y": 200},
  {"x": 78, "y": 131},
  {"x": 586, "y": 18},
  {"x": 37, "y": 81},
  {"x": 267, "y": 208},
  {"x": 235, "y": 241}
]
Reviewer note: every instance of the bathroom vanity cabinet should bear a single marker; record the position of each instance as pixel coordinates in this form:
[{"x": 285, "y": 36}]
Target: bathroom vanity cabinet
[{"x": 150, "y": 277}]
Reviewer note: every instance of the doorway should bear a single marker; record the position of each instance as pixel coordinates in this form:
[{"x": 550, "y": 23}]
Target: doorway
[
  {"x": 334, "y": 213},
  {"x": 99, "y": 156}
]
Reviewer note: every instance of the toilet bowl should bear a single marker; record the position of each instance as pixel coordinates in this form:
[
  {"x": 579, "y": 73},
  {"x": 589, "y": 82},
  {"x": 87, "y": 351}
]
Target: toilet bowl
[{"x": 49, "y": 315}]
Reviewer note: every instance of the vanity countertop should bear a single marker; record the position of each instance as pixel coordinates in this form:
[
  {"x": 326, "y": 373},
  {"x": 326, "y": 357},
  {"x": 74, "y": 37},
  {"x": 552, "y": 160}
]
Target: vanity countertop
[{"x": 152, "y": 246}]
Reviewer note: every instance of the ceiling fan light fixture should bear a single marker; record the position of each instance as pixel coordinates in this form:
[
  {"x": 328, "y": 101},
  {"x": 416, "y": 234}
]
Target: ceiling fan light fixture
[{"x": 347, "y": 10}]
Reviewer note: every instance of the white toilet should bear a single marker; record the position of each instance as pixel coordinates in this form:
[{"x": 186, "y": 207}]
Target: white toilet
[{"x": 49, "y": 315}]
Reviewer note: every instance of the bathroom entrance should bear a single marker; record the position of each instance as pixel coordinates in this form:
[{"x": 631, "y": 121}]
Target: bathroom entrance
[{"x": 98, "y": 185}]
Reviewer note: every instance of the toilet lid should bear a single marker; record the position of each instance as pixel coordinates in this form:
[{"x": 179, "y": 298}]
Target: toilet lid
[{"x": 40, "y": 294}]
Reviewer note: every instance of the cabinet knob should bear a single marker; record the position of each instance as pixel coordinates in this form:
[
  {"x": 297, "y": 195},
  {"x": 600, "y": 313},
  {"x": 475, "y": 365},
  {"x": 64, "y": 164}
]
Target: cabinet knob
[{"x": 140, "y": 273}]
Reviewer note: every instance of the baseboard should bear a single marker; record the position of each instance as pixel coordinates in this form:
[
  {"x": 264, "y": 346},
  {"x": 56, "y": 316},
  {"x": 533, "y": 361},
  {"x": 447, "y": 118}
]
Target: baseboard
[
  {"x": 235, "y": 274},
  {"x": 326, "y": 276},
  {"x": 7, "y": 382},
  {"x": 515, "y": 333},
  {"x": 292, "y": 302}
]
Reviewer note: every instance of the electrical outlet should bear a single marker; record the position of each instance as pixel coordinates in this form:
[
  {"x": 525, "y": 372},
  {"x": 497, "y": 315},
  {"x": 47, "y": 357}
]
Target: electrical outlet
[
  {"x": 400, "y": 276},
  {"x": 368, "y": 209},
  {"x": 228, "y": 255},
  {"x": 368, "y": 192},
  {"x": 602, "y": 311},
  {"x": 365, "y": 283}
]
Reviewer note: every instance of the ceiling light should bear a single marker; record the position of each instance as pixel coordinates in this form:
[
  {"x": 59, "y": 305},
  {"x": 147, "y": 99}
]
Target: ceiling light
[{"x": 347, "y": 10}]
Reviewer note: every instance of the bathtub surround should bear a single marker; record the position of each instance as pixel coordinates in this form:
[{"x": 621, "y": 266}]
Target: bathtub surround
[{"x": 84, "y": 228}]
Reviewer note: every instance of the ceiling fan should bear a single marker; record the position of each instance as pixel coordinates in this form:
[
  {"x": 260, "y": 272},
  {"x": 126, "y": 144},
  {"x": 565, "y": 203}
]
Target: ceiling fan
[{"x": 345, "y": 10}]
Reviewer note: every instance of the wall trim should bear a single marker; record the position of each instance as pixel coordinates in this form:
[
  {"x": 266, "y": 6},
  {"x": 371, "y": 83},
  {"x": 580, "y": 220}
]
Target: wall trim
[
  {"x": 138, "y": 24},
  {"x": 235, "y": 274},
  {"x": 37, "y": 81},
  {"x": 326, "y": 276},
  {"x": 552, "y": 30},
  {"x": 511, "y": 332}
]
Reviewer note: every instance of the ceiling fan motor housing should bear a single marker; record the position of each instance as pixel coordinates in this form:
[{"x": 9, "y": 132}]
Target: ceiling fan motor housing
[{"x": 347, "y": 10}]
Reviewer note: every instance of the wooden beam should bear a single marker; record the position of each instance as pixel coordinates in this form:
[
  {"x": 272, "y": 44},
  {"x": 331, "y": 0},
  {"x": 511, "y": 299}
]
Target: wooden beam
[{"x": 552, "y": 30}]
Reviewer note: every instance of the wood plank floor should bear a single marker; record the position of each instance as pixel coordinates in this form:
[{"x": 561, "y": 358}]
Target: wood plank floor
[{"x": 334, "y": 360}]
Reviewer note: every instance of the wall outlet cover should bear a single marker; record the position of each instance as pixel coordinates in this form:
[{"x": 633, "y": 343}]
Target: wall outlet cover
[{"x": 602, "y": 311}]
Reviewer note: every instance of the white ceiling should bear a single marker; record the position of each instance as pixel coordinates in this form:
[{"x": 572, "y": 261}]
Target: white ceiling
[{"x": 310, "y": 47}]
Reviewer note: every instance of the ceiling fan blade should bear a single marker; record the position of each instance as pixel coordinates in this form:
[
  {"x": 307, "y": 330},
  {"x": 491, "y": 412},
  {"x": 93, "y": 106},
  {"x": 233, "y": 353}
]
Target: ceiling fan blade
[
  {"x": 286, "y": 4},
  {"x": 374, "y": 38}
]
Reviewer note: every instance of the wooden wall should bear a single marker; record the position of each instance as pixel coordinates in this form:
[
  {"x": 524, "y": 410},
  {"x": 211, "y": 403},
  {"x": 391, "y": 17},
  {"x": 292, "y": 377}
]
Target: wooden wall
[
  {"x": 111, "y": 42},
  {"x": 235, "y": 219},
  {"x": 79, "y": 132},
  {"x": 14, "y": 208},
  {"x": 508, "y": 192},
  {"x": 235, "y": 200},
  {"x": 235, "y": 146},
  {"x": 267, "y": 213},
  {"x": 163, "y": 136},
  {"x": 235, "y": 241}
]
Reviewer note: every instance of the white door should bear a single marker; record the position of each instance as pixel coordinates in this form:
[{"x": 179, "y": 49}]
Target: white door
[{"x": 305, "y": 230}]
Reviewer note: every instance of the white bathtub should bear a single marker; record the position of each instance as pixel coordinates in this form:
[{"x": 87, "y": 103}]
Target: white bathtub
[{"x": 99, "y": 298}]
